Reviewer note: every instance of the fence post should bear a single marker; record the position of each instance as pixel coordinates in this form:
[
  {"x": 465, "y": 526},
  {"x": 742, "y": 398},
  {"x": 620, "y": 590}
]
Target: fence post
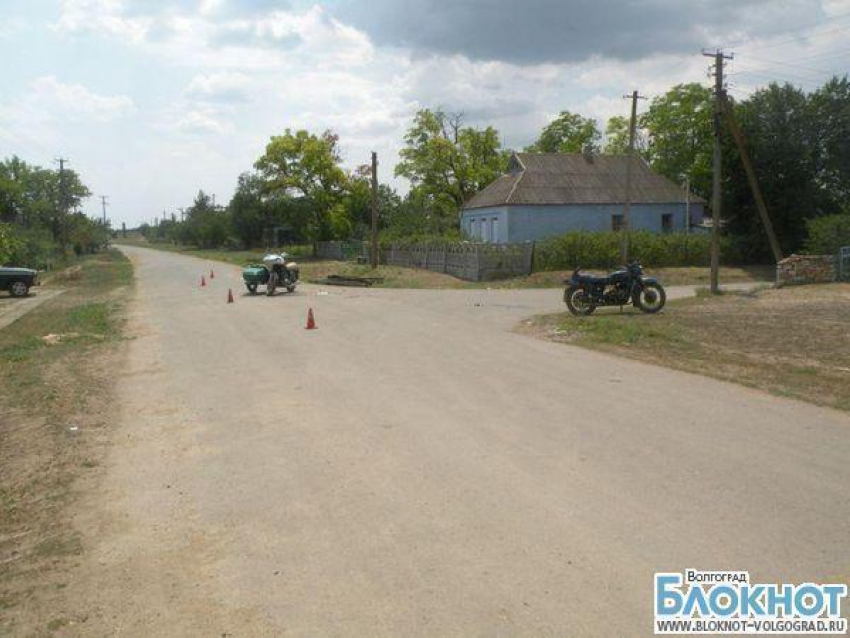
[
  {"x": 530, "y": 268},
  {"x": 426, "y": 255},
  {"x": 477, "y": 262}
]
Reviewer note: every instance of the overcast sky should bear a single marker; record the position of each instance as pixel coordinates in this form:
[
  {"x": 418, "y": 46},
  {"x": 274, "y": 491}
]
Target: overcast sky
[{"x": 153, "y": 100}]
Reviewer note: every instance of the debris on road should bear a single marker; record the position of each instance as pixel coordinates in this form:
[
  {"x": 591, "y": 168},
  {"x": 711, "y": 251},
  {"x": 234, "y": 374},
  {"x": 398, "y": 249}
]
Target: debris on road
[{"x": 349, "y": 280}]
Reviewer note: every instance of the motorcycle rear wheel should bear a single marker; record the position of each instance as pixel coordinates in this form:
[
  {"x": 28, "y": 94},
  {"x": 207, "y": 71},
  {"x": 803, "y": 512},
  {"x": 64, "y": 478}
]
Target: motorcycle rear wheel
[{"x": 577, "y": 302}]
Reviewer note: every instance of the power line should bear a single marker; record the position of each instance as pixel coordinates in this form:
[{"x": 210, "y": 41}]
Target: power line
[
  {"x": 799, "y": 38},
  {"x": 795, "y": 29}
]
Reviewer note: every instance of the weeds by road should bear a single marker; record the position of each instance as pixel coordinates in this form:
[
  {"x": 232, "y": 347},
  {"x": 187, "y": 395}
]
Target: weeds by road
[
  {"x": 792, "y": 342},
  {"x": 55, "y": 369},
  {"x": 397, "y": 277}
]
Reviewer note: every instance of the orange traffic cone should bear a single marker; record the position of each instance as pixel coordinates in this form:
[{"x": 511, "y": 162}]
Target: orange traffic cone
[
  {"x": 229, "y": 295},
  {"x": 311, "y": 321},
  {"x": 203, "y": 281},
  {"x": 212, "y": 274}
]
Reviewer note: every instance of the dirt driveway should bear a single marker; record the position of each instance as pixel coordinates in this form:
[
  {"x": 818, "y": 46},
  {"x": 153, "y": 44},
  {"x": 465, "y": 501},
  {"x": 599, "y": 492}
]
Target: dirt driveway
[{"x": 414, "y": 468}]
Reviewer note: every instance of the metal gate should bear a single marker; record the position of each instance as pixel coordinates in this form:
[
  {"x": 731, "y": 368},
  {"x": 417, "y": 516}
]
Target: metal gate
[{"x": 844, "y": 263}]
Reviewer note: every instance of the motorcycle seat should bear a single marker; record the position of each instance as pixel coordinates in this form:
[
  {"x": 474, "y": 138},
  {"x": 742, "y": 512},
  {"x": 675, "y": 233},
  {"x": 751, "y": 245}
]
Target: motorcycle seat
[{"x": 590, "y": 279}]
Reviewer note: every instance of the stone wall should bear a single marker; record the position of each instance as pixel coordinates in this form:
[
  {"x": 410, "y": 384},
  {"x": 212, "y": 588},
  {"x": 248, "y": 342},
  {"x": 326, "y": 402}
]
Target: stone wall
[{"x": 805, "y": 269}]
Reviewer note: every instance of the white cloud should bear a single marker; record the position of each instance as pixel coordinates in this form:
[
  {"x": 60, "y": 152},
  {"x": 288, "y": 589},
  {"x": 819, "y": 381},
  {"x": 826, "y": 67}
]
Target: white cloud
[
  {"x": 74, "y": 101},
  {"x": 226, "y": 88},
  {"x": 101, "y": 16},
  {"x": 238, "y": 74}
]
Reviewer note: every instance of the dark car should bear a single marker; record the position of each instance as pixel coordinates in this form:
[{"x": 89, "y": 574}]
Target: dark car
[{"x": 18, "y": 281}]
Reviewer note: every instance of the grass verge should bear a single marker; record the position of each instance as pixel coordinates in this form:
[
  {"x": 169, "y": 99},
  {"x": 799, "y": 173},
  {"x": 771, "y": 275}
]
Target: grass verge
[
  {"x": 397, "y": 277},
  {"x": 54, "y": 402},
  {"x": 793, "y": 342}
]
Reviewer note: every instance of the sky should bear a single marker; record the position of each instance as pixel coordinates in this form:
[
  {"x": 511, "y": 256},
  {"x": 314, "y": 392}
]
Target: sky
[{"x": 151, "y": 101}]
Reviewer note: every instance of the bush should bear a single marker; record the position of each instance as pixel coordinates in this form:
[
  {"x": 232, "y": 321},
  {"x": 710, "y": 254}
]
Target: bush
[
  {"x": 602, "y": 250},
  {"x": 828, "y": 234}
]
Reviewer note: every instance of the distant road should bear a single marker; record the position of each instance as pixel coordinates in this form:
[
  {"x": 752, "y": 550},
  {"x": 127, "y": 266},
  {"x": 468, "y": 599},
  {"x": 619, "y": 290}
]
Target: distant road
[{"x": 414, "y": 468}]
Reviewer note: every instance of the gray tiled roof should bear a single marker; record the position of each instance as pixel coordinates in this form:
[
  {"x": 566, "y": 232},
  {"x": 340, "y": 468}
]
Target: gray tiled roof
[{"x": 560, "y": 178}]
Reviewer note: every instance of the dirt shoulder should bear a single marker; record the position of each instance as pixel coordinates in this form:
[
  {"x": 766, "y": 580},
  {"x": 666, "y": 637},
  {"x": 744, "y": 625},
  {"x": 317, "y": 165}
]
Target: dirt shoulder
[
  {"x": 57, "y": 368},
  {"x": 793, "y": 342}
]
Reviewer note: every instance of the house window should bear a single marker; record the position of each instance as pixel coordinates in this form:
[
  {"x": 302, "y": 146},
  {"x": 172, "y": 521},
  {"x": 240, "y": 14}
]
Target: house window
[
  {"x": 667, "y": 222},
  {"x": 472, "y": 229},
  {"x": 494, "y": 228},
  {"x": 616, "y": 222},
  {"x": 484, "y": 236}
]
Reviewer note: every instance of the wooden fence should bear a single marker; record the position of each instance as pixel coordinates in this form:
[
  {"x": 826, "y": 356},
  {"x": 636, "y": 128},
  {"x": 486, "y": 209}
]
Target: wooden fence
[{"x": 472, "y": 262}]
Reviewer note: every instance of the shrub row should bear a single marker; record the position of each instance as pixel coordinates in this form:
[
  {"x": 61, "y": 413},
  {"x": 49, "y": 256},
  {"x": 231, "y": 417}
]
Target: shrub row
[{"x": 602, "y": 250}]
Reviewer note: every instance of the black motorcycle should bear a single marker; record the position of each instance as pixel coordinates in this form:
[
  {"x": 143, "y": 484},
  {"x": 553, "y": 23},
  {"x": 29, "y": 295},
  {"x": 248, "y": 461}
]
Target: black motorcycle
[{"x": 585, "y": 293}]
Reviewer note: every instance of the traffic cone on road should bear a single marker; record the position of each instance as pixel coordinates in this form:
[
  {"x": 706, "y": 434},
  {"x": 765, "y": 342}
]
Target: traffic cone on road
[
  {"x": 203, "y": 281},
  {"x": 311, "y": 321},
  {"x": 212, "y": 274},
  {"x": 229, "y": 295}
]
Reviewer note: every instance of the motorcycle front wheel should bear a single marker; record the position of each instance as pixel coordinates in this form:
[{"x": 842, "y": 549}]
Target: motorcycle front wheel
[
  {"x": 270, "y": 287},
  {"x": 651, "y": 298},
  {"x": 578, "y": 302}
]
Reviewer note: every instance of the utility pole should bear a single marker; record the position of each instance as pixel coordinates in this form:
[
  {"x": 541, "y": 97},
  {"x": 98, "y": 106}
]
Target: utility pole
[
  {"x": 716, "y": 191},
  {"x": 687, "y": 204},
  {"x": 627, "y": 206},
  {"x": 374, "y": 210},
  {"x": 738, "y": 136},
  {"x": 182, "y": 214},
  {"x": 103, "y": 203},
  {"x": 63, "y": 205}
]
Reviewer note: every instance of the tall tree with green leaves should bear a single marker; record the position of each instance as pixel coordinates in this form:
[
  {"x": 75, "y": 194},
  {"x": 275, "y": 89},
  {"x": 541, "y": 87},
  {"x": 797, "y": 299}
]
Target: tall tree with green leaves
[
  {"x": 447, "y": 163},
  {"x": 780, "y": 135},
  {"x": 567, "y": 133},
  {"x": 829, "y": 109},
  {"x": 300, "y": 164},
  {"x": 678, "y": 128},
  {"x": 617, "y": 137}
]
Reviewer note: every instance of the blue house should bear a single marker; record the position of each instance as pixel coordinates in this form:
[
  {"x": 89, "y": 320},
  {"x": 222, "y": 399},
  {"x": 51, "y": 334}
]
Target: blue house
[{"x": 555, "y": 193}]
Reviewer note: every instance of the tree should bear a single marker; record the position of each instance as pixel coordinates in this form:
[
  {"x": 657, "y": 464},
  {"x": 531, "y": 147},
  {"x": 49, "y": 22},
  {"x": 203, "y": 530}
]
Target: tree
[
  {"x": 617, "y": 137},
  {"x": 448, "y": 163},
  {"x": 568, "y": 133},
  {"x": 829, "y": 109},
  {"x": 249, "y": 214},
  {"x": 206, "y": 225},
  {"x": 358, "y": 202},
  {"x": 679, "y": 134},
  {"x": 304, "y": 165},
  {"x": 780, "y": 135}
]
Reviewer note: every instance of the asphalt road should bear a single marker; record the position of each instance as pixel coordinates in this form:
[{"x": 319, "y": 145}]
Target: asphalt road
[{"x": 414, "y": 468}]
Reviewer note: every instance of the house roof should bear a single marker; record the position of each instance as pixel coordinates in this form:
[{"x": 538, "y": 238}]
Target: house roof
[{"x": 575, "y": 178}]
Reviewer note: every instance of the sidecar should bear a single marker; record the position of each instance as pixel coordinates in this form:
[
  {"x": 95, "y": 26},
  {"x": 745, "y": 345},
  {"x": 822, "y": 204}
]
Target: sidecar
[{"x": 255, "y": 275}]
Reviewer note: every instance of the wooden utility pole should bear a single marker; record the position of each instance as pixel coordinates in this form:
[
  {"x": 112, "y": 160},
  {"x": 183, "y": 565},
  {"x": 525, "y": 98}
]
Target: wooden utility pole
[
  {"x": 738, "y": 136},
  {"x": 63, "y": 205},
  {"x": 716, "y": 191},
  {"x": 374, "y": 210},
  {"x": 103, "y": 204},
  {"x": 627, "y": 205}
]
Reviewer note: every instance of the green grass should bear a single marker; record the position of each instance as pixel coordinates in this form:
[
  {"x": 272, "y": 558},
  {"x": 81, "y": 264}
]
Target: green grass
[
  {"x": 626, "y": 329},
  {"x": 44, "y": 389},
  {"x": 790, "y": 341},
  {"x": 85, "y": 314}
]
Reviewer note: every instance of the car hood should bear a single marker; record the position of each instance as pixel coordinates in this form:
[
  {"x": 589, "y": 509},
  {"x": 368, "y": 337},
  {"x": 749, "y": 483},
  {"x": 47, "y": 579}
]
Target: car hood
[{"x": 18, "y": 271}]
